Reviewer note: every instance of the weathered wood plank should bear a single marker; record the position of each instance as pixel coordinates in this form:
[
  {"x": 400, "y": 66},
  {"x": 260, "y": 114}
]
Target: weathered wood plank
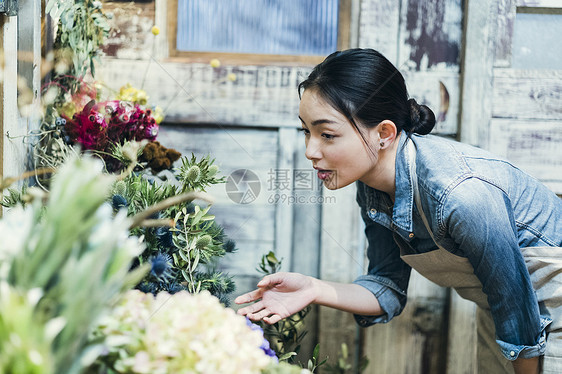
[
  {"x": 429, "y": 51},
  {"x": 539, "y": 3},
  {"x": 284, "y": 210},
  {"x": 476, "y": 80},
  {"x": 427, "y": 88},
  {"x": 344, "y": 24},
  {"x": 527, "y": 94},
  {"x": 14, "y": 150},
  {"x": 130, "y": 36},
  {"x": 414, "y": 341},
  {"x": 260, "y": 96},
  {"x": 307, "y": 215},
  {"x": 430, "y": 35},
  {"x": 462, "y": 334},
  {"x": 378, "y": 27},
  {"x": 340, "y": 262},
  {"x": 532, "y": 145},
  {"x": 161, "y": 50},
  {"x": 2, "y": 89},
  {"x": 505, "y": 12},
  {"x": 307, "y": 211}
]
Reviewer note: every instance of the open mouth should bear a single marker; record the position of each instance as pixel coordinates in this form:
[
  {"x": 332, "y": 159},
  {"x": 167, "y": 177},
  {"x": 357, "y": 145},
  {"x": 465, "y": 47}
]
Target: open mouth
[{"x": 324, "y": 174}]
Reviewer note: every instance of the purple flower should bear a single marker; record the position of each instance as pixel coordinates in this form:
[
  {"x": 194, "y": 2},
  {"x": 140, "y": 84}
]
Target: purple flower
[{"x": 265, "y": 344}]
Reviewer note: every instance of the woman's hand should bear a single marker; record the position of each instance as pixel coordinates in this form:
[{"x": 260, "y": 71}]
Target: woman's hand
[{"x": 278, "y": 296}]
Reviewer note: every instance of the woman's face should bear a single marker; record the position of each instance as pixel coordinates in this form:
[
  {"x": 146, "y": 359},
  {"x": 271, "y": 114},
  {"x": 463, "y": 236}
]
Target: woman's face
[{"x": 334, "y": 146}]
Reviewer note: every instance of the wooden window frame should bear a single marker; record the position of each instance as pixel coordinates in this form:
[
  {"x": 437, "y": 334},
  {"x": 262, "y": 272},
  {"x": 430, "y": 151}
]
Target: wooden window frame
[{"x": 344, "y": 25}]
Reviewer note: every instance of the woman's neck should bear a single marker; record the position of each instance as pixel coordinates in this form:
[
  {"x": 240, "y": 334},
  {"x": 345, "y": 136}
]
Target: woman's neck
[{"x": 383, "y": 175}]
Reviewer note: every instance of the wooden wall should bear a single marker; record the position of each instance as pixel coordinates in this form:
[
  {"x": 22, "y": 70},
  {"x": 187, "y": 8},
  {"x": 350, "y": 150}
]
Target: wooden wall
[
  {"x": 513, "y": 112},
  {"x": 251, "y": 123},
  {"x": 455, "y": 56}
]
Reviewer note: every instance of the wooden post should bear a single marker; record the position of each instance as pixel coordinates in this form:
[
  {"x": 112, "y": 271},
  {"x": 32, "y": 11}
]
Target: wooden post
[
  {"x": 477, "y": 65},
  {"x": 12, "y": 161},
  {"x": 339, "y": 263}
]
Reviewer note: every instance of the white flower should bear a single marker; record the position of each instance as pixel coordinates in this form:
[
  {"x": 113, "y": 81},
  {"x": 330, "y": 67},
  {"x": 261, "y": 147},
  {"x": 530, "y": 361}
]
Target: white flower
[{"x": 181, "y": 333}]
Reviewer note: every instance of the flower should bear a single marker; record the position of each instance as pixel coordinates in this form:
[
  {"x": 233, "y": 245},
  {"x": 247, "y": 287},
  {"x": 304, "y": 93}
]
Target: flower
[
  {"x": 155, "y": 30},
  {"x": 99, "y": 125},
  {"x": 231, "y": 77},
  {"x": 179, "y": 333},
  {"x": 215, "y": 63},
  {"x": 132, "y": 94},
  {"x": 265, "y": 344},
  {"x": 161, "y": 267},
  {"x": 118, "y": 202}
]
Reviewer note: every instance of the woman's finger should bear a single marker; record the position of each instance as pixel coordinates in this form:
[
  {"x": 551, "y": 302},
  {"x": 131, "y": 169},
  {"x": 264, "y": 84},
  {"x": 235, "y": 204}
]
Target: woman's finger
[
  {"x": 249, "y": 297},
  {"x": 251, "y": 308},
  {"x": 272, "y": 319},
  {"x": 270, "y": 280},
  {"x": 264, "y": 313}
]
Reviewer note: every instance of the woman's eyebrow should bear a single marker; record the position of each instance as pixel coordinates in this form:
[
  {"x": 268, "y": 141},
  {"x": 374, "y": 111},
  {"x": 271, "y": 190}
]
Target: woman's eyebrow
[{"x": 318, "y": 121}]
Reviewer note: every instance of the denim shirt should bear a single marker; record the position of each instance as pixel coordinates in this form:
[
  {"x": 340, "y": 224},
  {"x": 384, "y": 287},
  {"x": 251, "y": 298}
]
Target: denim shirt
[{"x": 478, "y": 206}]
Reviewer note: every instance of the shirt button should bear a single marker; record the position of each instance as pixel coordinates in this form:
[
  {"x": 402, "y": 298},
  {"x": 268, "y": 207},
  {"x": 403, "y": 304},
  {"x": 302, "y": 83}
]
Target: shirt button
[
  {"x": 512, "y": 353},
  {"x": 373, "y": 211},
  {"x": 411, "y": 235}
]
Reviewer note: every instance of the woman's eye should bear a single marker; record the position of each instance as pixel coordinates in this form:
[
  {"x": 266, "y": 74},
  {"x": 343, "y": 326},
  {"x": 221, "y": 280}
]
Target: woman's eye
[
  {"x": 328, "y": 136},
  {"x": 303, "y": 130}
]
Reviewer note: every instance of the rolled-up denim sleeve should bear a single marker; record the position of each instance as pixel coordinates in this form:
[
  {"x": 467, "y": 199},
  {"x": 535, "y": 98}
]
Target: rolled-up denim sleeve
[
  {"x": 387, "y": 276},
  {"x": 391, "y": 299},
  {"x": 478, "y": 216}
]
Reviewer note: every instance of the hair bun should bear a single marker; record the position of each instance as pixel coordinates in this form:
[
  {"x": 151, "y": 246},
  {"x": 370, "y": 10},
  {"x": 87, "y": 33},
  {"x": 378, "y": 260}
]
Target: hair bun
[{"x": 422, "y": 119}]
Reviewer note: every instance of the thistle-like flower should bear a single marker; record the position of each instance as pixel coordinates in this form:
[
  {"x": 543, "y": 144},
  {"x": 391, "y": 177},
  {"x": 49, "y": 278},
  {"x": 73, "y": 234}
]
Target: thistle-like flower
[
  {"x": 193, "y": 173},
  {"x": 161, "y": 267},
  {"x": 203, "y": 241}
]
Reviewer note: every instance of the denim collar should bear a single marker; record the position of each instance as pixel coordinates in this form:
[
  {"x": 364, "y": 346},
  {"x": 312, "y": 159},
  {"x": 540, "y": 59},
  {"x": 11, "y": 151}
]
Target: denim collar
[
  {"x": 400, "y": 218},
  {"x": 404, "y": 194}
]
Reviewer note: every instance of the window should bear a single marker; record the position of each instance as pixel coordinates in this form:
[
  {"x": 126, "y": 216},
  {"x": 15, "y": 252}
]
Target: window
[
  {"x": 536, "y": 39},
  {"x": 258, "y": 31}
]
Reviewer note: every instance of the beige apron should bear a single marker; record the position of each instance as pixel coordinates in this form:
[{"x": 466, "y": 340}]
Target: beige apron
[{"x": 449, "y": 270}]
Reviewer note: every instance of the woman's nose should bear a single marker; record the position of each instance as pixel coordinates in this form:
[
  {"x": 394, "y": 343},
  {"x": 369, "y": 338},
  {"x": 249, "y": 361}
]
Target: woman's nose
[{"x": 312, "y": 150}]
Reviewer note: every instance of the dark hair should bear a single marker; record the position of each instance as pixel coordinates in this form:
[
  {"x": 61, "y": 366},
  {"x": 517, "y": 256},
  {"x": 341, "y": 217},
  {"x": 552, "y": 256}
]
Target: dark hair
[{"x": 364, "y": 86}]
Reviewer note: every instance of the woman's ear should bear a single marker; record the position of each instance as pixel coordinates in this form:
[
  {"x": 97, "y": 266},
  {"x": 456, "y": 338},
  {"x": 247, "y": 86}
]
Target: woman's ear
[{"x": 387, "y": 132}]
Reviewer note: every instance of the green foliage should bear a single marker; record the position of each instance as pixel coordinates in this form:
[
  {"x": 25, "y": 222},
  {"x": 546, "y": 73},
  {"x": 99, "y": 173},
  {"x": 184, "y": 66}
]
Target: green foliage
[
  {"x": 343, "y": 366},
  {"x": 269, "y": 264},
  {"x": 198, "y": 174},
  {"x": 14, "y": 197},
  {"x": 24, "y": 343},
  {"x": 61, "y": 266},
  {"x": 184, "y": 255},
  {"x": 313, "y": 363},
  {"x": 82, "y": 29},
  {"x": 285, "y": 336}
]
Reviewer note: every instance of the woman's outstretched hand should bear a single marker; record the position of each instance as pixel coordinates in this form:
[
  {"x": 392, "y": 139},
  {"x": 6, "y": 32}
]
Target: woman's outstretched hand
[{"x": 278, "y": 296}]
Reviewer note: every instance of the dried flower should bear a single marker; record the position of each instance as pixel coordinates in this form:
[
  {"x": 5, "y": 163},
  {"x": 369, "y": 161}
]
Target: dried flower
[{"x": 215, "y": 63}]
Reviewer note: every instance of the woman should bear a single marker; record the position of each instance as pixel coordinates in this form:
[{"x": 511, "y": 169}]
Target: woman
[{"x": 457, "y": 214}]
